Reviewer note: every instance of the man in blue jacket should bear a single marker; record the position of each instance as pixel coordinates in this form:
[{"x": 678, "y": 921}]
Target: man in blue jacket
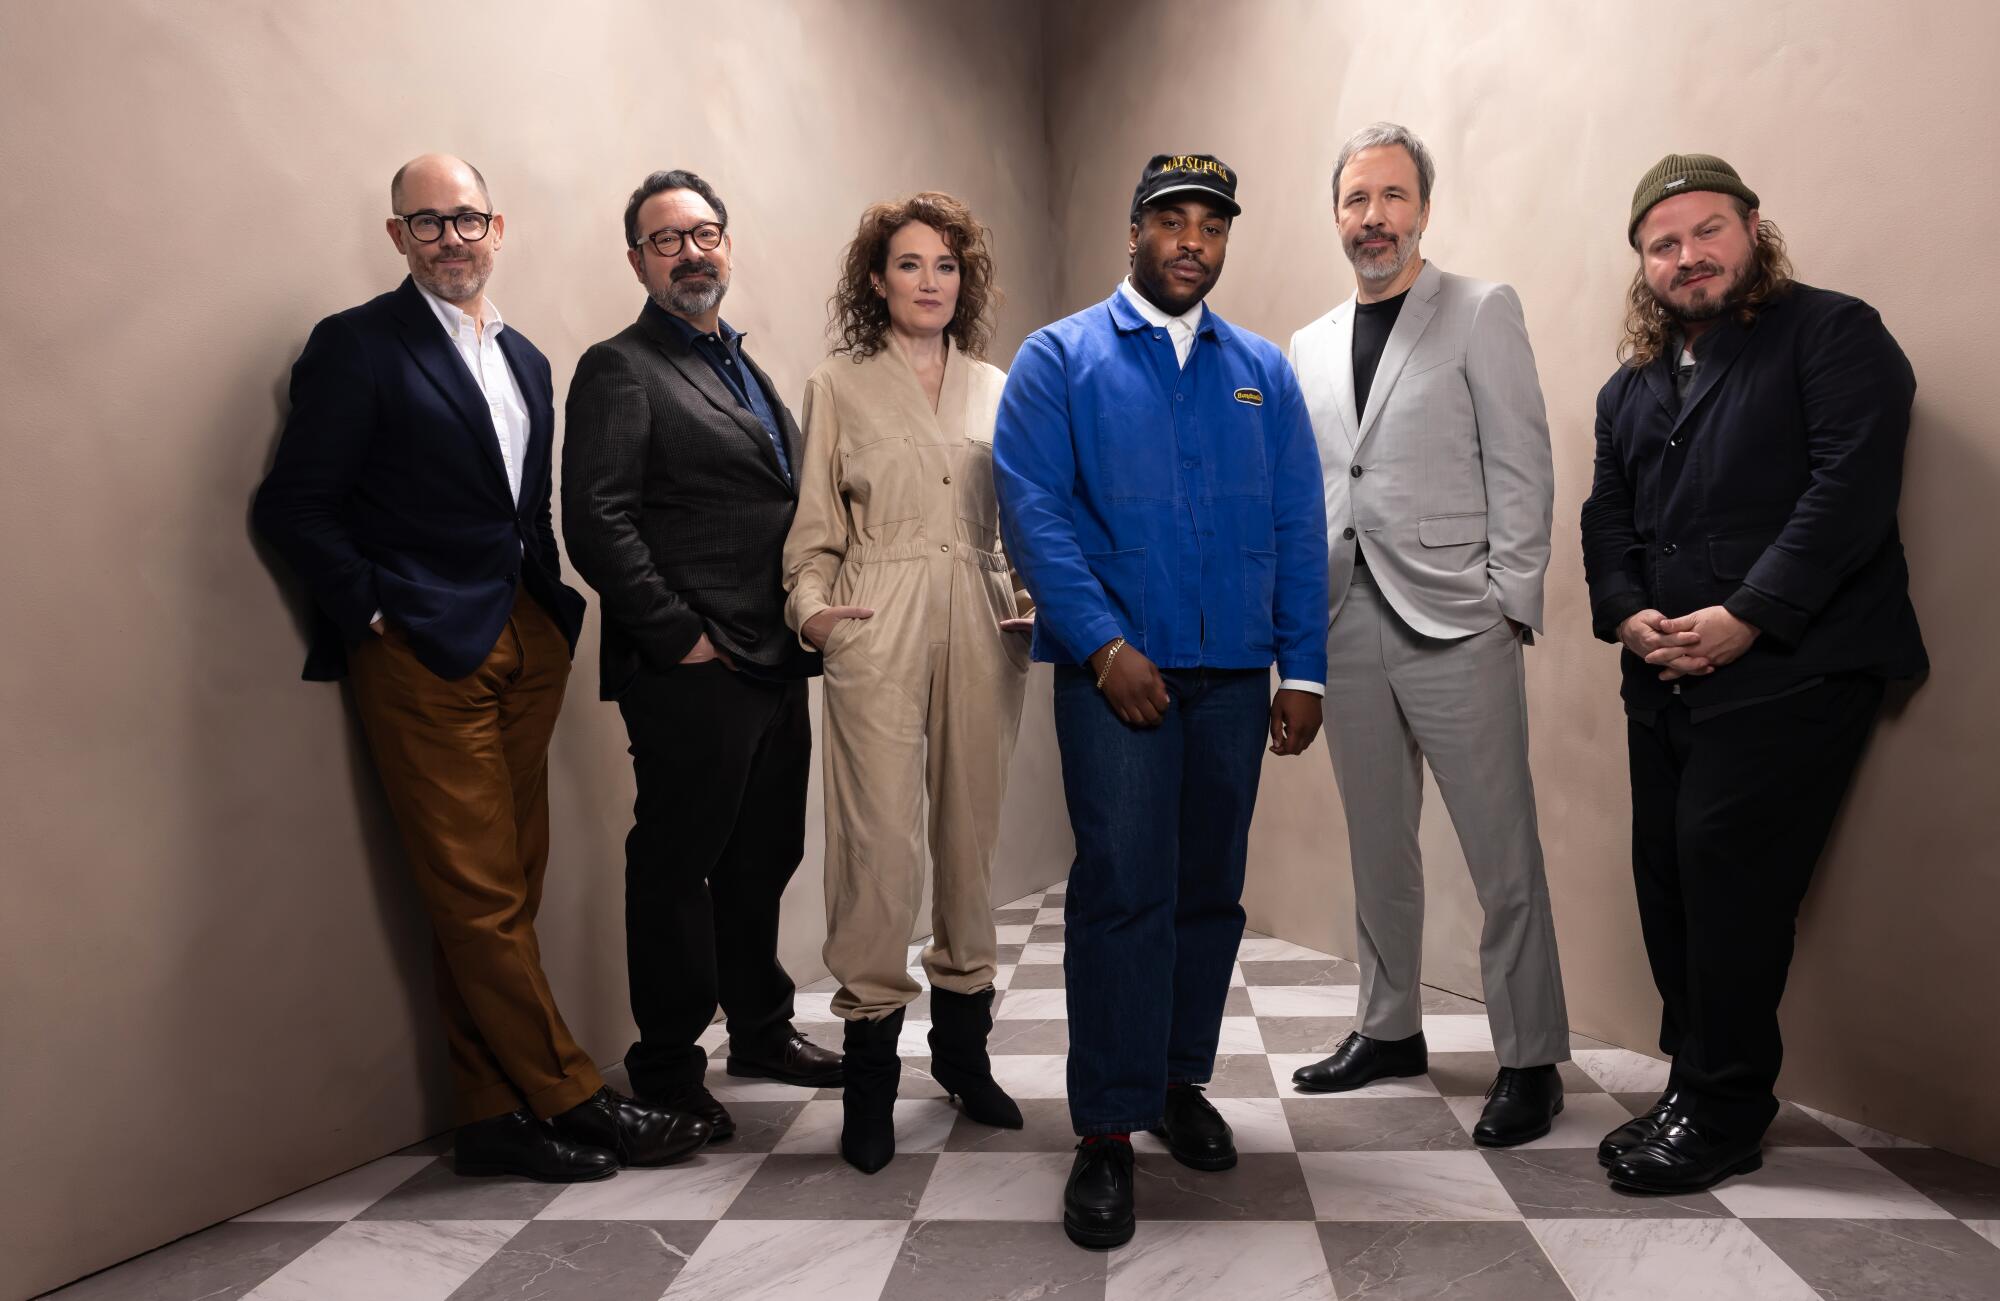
[
  {"x": 1740, "y": 542},
  {"x": 1160, "y": 493}
]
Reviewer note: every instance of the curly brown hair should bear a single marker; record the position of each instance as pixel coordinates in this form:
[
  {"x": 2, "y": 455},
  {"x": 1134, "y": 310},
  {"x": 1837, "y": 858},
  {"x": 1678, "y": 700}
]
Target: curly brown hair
[
  {"x": 859, "y": 317},
  {"x": 1648, "y": 325}
]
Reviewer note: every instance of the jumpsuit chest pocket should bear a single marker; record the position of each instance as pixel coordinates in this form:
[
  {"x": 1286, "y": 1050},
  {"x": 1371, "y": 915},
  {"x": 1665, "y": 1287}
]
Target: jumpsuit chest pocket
[
  {"x": 880, "y": 482},
  {"x": 973, "y": 478}
]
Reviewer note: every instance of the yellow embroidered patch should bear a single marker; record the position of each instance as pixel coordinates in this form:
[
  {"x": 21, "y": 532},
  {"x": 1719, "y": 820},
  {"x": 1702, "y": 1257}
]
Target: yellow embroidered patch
[{"x": 1250, "y": 396}]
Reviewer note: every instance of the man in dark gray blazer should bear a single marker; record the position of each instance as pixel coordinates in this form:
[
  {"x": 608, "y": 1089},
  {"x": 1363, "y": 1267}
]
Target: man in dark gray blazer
[{"x": 678, "y": 491}]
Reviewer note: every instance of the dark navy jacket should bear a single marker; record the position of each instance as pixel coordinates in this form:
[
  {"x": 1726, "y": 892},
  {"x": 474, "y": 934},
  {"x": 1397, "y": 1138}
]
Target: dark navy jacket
[
  {"x": 1771, "y": 491},
  {"x": 1179, "y": 508},
  {"x": 389, "y": 493}
]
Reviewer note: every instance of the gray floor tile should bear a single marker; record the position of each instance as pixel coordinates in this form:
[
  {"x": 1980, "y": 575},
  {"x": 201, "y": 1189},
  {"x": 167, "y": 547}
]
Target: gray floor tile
[
  {"x": 1049, "y": 1036},
  {"x": 435, "y": 1145},
  {"x": 759, "y": 1126},
  {"x": 1047, "y": 1129},
  {"x": 1886, "y": 1260},
  {"x": 1466, "y": 1075},
  {"x": 1014, "y": 916},
  {"x": 827, "y": 1188},
  {"x": 967, "y": 1260},
  {"x": 1303, "y": 1034},
  {"x": 604, "y": 1260},
  {"x": 1793, "y": 1128},
  {"x": 1242, "y": 1075},
  {"x": 1439, "y": 1002},
  {"x": 1237, "y": 1003},
  {"x": 1568, "y": 1184},
  {"x": 1331, "y": 1123},
  {"x": 1047, "y": 933},
  {"x": 1333, "y": 971},
  {"x": 1966, "y": 1188},
  {"x": 218, "y": 1264},
  {"x": 1263, "y": 1186},
  {"x": 440, "y": 1193},
  {"x": 1468, "y": 1261},
  {"x": 916, "y": 1082},
  {"x": 1037, "y": 975},
  {"x": 1008, "y": 955}
]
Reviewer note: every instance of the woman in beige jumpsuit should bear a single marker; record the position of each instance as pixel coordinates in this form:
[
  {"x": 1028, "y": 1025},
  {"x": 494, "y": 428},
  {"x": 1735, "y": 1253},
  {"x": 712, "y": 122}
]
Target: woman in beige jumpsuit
[{"x": 895, "y": 572}]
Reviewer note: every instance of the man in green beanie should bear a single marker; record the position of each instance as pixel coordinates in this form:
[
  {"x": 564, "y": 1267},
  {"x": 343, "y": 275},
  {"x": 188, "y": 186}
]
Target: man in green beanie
[{"x": 1740, "y": 543}]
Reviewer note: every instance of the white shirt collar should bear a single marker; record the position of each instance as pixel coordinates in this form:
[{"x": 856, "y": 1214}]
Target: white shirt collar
[
  {"x": 1186, "y": 323},
  {"x": 454, "y": 320}
]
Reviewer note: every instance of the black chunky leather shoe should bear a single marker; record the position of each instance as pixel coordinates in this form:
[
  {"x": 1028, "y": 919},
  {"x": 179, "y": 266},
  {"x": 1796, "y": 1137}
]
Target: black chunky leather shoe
[
  {"x": 793, "y": 1059},
  {"x": 1097, "y": 1201},
  {"x": 1685, "y": 1156},
  {"x": 1636, "y": 1130},
  {"x": 698, "y": 1102},
  {"x": 1360, "y": 1060},
  {"x": 960, "y": 1024},
  {"x": 1194, "y": 1131},
  {"x": 1522, "y": 1104},
  {"x": 868, "y": 1101},
  {"x": 640, "y": 1134},
  {"x": 518, "y": 1144}
]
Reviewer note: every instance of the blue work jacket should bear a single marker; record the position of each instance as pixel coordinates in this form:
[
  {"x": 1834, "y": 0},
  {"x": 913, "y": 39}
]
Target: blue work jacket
[{"x": 1178, "y": 507}]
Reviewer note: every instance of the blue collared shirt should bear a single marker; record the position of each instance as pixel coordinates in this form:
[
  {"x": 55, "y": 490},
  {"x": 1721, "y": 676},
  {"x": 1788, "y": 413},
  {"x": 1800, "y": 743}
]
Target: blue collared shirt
[
  {"x": 1179, "y": 507},
  {"x": 723, "y": 351}
]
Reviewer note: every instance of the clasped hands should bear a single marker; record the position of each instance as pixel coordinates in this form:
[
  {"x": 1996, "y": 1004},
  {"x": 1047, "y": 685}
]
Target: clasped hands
[{"x": 1692, "y": 646}]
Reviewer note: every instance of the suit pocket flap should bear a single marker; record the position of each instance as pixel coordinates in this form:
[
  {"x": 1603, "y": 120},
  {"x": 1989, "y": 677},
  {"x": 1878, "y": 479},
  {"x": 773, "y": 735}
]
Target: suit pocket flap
[{"x": 1452, "y": 530}]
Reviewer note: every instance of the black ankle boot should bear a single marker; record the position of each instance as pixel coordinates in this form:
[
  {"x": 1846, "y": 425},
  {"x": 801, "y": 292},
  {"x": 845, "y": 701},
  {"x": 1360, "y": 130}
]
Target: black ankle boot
[
  {"x": 868, "y": 1099},
  {"x": 959, "y": 1026}
]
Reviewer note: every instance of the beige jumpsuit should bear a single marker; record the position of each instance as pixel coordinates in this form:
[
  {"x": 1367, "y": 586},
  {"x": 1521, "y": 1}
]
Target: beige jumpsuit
[{"x": 897, "y": 514}]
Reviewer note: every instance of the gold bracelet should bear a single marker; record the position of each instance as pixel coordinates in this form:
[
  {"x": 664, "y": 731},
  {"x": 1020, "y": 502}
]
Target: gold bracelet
[{"x": 1117, "y": 644}]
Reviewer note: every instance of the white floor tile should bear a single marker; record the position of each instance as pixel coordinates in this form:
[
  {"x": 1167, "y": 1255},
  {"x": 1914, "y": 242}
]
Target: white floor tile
[
  {"x": 813, "y": 1007},
  {"x": 1059, "y": 889},
  {"x": 1824, "y": 1183},
  {"x": 1032, "y": 1075},
  {"x": 1586, "y": 1118},
  {"x": 1266, "y": 949},
  {"x": 701, "y": 1189},
  {"x": 1620, "y": 1071},
  {"x": 1049, "y": 916},
  {"x": 1041, "y": 955},
  {"x": 1454, "y": 1034},
  {"x": 1237, "y": 980},
  {"x": 345, "y": 1195},
  {"x": 1258, "y": 1123},
  {"x": 1026, "y": 901},
  {"x": 1194, "y": 1262},
  {"x": 411, "y": 1260},
  {"x": 1283, "y": 1064},
  {"x": 1308, "y": 1000},
  {"x": 996, "y": 1186},
  {"x": 1667, "y": 1260},
  {"x": 1240, "y": 1035},
  {"x": 1012, "y": 933},
  {"x": 1033, "y": 1005},
  {"x": 1859, "y": 1134},
  {"x": 922, "y": 1125},
  {"x": 732, "y": 1088},
  {"x": 784, "y": 1260},
  {"x": 1405, "y": 1186},
  {"x": 915, "y": 1039}
]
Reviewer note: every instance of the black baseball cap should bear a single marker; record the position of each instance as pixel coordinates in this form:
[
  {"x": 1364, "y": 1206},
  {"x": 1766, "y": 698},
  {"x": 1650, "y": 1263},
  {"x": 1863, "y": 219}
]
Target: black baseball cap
[{"x": 1197, "y": 174}]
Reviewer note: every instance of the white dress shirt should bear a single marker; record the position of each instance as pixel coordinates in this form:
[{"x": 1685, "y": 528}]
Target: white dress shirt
[{"x": 1182, "y": 330}]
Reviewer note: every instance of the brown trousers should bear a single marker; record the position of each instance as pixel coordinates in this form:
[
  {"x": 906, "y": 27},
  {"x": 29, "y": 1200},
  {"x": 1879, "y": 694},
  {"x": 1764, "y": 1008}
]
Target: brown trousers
[{"x": 465, "y": 765}]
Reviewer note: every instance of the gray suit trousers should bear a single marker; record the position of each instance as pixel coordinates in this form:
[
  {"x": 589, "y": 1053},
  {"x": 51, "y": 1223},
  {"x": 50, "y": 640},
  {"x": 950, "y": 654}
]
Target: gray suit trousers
[{"x": 1395, "y": 698}]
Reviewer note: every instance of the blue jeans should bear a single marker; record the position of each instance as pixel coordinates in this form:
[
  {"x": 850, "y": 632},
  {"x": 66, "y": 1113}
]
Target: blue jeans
[{"x": 1153, "y": 912}]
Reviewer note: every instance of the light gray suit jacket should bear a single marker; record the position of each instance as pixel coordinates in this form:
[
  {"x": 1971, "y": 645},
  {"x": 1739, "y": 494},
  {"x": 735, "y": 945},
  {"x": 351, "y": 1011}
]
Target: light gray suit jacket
[{"x": 1447, "y": 474}]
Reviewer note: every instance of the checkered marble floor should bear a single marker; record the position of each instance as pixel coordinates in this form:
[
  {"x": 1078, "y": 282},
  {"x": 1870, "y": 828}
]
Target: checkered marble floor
[{"x": 1378, "y": 1193}]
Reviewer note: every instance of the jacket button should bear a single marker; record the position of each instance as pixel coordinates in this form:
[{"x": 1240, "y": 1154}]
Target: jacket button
[
  {"x": 1355, "y": 471},
  {"x": 1347, "y": 533},
  {"x": 947, "y": 478},
  {"x": 1673, "y": 442},
  {"x": 1670, "y": 549},
  {"x": 945, "y": 547}
]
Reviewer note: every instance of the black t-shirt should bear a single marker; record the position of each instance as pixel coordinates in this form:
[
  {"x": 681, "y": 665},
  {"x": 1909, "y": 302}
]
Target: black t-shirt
[{"x": 1372, "y": 323}]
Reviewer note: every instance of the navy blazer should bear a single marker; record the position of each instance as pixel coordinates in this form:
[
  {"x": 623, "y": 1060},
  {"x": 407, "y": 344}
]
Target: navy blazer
[
  {"x": 1772, "y": 491},
  {"x": 388, "y": 492}
]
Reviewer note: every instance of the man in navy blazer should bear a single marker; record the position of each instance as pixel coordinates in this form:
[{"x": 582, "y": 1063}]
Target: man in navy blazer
[
  {"x": 1740, "y": 543},
  {"x": 411, "y": 494}
]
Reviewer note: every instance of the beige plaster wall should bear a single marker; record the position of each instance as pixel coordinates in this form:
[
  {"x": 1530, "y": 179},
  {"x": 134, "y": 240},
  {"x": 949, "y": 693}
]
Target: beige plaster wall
[
  {"x": 214, "y": 980},
  {"x": 1867, "y": 130}
]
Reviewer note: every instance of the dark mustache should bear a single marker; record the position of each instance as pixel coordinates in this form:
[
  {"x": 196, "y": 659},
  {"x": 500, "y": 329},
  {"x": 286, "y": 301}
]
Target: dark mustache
[
  {"x": 1376, "y": 232},
  {"x": 701, "y": 268},
  {"x": 1188, "y": 259},
  {"x": 1698, "y": 269}
]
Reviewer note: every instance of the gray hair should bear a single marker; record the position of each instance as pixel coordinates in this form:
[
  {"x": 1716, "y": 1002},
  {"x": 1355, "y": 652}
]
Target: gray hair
[{"x": 1388, "y": 133}]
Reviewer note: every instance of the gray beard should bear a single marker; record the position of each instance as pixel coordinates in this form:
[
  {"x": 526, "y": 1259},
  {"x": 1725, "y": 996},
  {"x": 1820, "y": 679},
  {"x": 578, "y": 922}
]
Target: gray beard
[
  {"x": 1376, "y": 271},
  {"x": 684, "y": 299}
]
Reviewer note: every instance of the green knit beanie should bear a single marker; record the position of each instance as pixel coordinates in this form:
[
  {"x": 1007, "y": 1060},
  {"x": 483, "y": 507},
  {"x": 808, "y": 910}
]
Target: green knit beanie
[{"x": 1684, "y": 174}]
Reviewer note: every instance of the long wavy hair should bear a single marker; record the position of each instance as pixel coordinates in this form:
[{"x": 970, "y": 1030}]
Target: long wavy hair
[
  {"x": 1648, "y": 325},
  {"x": 858, "y": 317}
]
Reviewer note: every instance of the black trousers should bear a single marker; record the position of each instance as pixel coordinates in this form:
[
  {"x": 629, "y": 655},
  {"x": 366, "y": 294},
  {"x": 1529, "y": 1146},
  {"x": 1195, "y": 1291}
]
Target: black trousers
[
  {"x": 1729, "y": 816},
  {"x": 719, "y": 826}
]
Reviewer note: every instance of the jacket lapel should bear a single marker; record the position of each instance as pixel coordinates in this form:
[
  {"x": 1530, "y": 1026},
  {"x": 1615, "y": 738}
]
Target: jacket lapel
[
  {"x": 439, "y": 360},
  {"x": 787, "y": 427},
  {"x": 1410, "y": 323},
  {"x": 702, "y": 376},
  {"x": 1727, "y": 344},
  {"x": 1343, "y": 370}
]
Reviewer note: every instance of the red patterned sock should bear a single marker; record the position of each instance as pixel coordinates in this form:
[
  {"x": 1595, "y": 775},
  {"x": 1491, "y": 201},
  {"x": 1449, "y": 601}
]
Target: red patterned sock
[{"x": 1126, "y": 1139}]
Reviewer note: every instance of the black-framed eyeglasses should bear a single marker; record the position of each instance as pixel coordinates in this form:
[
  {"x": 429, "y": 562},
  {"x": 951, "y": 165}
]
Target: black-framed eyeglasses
[
  {"x": 428, "y": 227},
  {"x": 667, "y": 241}
]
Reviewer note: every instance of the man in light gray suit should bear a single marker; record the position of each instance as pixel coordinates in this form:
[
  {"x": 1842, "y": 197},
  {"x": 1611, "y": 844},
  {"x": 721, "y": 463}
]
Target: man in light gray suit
[{"x": 1439, "y": 490}]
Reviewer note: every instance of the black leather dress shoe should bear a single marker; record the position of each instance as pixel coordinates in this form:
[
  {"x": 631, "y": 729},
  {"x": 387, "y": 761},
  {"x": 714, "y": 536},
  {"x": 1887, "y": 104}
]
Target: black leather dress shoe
[
  {"x": 1636, "y": 1130},
  {"x": 518, "y": 1144},
  {"x": 1097, "y": 1201},
  {"x": 1195, "y": 1132},
  {"x": 794, "y": 1059},
  {"x": 1360, "y": 1060},
  {"x": 698, "y": 1102},
  {"x": 641, "y": 1134},
  {"x": 1685, "y": 1156},
  {"x": 1522, "y": 1104}
]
